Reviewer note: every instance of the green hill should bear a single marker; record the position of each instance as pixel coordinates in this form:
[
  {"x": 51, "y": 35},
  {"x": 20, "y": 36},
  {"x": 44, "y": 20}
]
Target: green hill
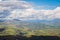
[{"x": 25, "y": 31}]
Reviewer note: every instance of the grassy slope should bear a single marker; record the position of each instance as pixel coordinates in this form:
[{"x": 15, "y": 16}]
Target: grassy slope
[{"x": 11, "y": 30}]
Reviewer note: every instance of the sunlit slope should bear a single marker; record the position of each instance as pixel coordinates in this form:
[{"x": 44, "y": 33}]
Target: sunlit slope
[{"x": 25, "y": 31}]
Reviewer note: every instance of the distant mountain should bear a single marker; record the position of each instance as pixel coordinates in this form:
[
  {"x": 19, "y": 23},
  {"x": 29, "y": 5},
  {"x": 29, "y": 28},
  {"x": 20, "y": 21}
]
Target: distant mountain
[
  {"x": 33, "y": 24},
  {"x": 1, "y": 20},
  {"x": 55, "y": 20},
  {"x": 18, "y": 20}
]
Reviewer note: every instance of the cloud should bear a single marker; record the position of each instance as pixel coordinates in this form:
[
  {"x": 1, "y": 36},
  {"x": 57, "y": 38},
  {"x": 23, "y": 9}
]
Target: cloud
[
  {"x": 14, "y": 5},
  {"x": 25, "y": 11},
  {"x": 10, "y": 0},
  {"x": 33, "y": 14}
]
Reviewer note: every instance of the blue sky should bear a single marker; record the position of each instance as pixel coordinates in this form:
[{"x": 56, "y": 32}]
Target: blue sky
[
  {"x": 46, "y": 2},
  {"x": 50, "y": 4}
]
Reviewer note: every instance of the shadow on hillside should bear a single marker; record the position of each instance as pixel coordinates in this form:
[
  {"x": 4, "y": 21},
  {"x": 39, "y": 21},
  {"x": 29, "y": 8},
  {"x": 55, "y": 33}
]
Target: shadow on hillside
[{"x": 31, "y": 38}]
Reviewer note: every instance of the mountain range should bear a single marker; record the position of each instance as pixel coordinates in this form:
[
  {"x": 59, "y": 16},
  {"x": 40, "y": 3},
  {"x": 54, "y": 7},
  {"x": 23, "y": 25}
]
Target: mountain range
[{"x": 32, "y": 24}]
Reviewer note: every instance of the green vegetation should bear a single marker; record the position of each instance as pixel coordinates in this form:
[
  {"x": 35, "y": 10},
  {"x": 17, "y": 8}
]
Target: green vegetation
[{"x": 25, "y": 31}]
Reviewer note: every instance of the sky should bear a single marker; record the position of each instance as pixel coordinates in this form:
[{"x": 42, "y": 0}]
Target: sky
[
  {"x": 50, "y": 3},
  {"x": 46, "y": 2},
  {"x": 29, "y": 9}
]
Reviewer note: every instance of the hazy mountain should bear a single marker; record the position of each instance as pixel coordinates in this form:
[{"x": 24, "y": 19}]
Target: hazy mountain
[{"x": 33, "y": 24}]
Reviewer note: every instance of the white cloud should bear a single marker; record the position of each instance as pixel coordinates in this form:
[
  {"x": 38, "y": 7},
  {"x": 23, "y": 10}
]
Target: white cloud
[
  {"x": 24, "y": 11},
  {"x": 0, "y": 0},
  {"x": 10, "y": 0},
  {"x": 33, "y": 14}
]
